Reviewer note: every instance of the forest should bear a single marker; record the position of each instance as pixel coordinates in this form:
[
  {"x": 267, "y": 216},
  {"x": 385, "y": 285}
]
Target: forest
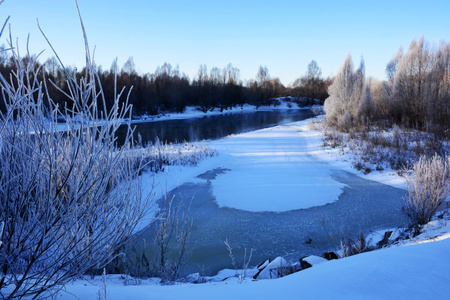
[
  {"x": 416, "y": 94},
  {"x": 170, "y": 90}
]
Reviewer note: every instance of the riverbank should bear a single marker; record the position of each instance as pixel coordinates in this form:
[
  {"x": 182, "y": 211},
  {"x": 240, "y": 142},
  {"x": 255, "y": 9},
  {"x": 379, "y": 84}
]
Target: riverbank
[
  {"x": 416, "y": 271},
  {"x": 192, "y": 112}
]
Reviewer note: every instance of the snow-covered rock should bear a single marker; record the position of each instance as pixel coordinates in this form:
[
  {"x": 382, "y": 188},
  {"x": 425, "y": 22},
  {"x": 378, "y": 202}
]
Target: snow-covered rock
[
  {"x": 264, "y": 264},
  {"x": 330, "y": 256},
  {"x": 273, "y": 269},
  {"x": 310, "y": 261}
]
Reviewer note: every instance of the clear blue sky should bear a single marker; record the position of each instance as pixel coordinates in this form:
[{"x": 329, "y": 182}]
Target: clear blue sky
[{"x": 282, "y": 35}]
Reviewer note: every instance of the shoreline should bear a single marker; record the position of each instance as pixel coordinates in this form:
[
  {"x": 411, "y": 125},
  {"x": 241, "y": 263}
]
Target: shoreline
[{"x": 193, "y": 112}]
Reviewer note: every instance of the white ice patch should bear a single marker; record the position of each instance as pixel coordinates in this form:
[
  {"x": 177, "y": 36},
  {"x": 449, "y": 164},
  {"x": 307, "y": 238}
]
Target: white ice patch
[{"x": 272, "y": 170}]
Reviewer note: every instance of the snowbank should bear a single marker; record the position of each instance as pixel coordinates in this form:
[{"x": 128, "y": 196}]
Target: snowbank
[{"x": 409, "y": 272}]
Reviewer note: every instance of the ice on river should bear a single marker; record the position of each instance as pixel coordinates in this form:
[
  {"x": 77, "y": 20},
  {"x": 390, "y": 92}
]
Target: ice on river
[{"x": 271, "y": 170}]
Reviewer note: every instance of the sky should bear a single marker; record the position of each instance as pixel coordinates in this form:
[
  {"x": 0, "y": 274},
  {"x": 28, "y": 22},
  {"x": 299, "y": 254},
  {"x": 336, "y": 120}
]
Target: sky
[{"x": 284, "y": 35}]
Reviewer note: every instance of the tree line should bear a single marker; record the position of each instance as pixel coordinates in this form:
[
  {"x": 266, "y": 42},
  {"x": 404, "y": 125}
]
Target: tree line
[
  {"x": 170, "y": 90},
  {"x": 415, "y": 95}
]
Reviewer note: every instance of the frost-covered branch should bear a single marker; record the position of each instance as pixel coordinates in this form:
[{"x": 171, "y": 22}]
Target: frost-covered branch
[{"x": 68, "y": 197}]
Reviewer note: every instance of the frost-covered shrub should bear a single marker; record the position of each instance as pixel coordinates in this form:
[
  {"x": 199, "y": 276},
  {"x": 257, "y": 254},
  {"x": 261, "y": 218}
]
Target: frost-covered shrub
[
  {"x": 428, "y": 188},
  {"x": 172, "y": 236},
  {"x": 68, "y": 197},
  {"x": 154, "y": 157},
  {"x": 164, "y": 250},
  {"x": 333, "y": 138}
]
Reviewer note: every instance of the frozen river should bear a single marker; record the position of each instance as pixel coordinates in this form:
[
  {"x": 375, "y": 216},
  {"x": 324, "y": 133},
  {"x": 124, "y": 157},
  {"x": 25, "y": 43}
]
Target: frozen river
[
  {"x": 363, "y": 206},
  {"x": 269, "y": 191}
]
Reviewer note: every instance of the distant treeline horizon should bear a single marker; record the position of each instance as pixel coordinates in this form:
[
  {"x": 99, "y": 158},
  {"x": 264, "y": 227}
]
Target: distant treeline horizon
[{"x": 170, "y": 90}]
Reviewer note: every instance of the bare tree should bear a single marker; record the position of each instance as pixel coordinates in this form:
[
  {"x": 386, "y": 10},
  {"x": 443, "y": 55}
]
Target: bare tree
[
  {"x": 68, "y": 197},
  {"x": 313, "y": 70},
  {"x": 214, "y": 76},
  {"x": 263, "y": 85},
  {"x": 391, "y": 67},
  {"x": 129, "y": 67},
  {"x": 311, "y": 85},
  {"x": 202, "y": 75},
  {"x": 366, "y": 107},
  {"x": 262, "y": 76},
  {"x": 418, "y": 86}
]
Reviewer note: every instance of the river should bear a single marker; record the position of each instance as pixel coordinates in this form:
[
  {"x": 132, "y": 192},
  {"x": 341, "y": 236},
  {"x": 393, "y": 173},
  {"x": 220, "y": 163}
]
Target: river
[
  {"x": 212, "y": 127},
  {"x": 363, "y": 206}
]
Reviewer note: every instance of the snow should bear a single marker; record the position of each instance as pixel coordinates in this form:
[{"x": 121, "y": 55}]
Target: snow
[
  {"x": 275, "y": 169},
  {"x": 314, "y": 260},
  {"x": 288, "y": 163},
  {"x": 267, "y": 272},
  {"x": 272, "y": 170},
  {"x": 410, "y": 272}
]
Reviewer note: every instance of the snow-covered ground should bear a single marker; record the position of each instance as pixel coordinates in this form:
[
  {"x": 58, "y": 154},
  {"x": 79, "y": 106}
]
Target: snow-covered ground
[
  {"x": 290, "y": 159},
  {"x": 343, "y": 160},
  {"x": 418, "y": 271}
]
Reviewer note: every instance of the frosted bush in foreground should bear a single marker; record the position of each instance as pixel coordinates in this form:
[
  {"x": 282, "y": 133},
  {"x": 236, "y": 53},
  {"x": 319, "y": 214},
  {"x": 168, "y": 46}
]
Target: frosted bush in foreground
[
  {"x": 428, "y": 188},
  {"x": 62, "y": 211}
]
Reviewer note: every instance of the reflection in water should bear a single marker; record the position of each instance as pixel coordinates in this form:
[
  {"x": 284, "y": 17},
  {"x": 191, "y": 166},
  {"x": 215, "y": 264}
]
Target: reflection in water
[{"x": 212, "y": 127}]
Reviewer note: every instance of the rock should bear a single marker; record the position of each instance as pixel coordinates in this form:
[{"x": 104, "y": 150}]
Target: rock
[
  {"x": 304, "y": 264},
  {"x": 261, "y": 267},
  {"x": 274, "y": 269},
  {"x": 195, "y": 278},
  {"x": 263, "y": 264},
  {"x": 312, "y": 260},
  {"x": 330, "y": 256},
  {"x": 385, "y": 239}
]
